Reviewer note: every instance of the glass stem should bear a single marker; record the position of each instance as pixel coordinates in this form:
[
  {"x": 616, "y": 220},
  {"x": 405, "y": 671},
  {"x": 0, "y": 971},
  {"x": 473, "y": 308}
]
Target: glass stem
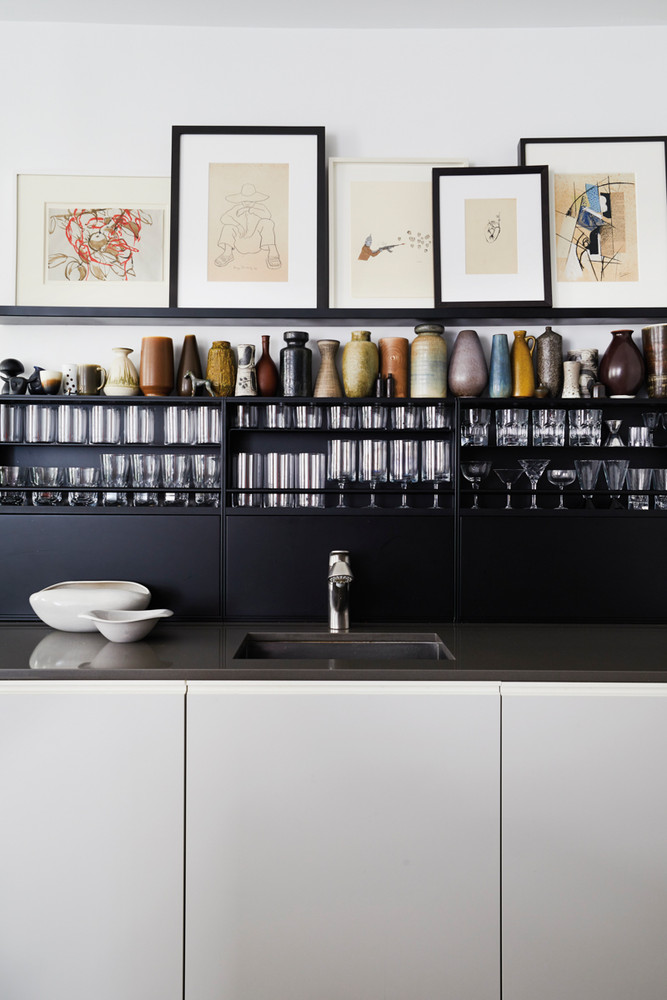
[
  {"x": 341, "y": 496},
  {"x": 404, "y": 497}
]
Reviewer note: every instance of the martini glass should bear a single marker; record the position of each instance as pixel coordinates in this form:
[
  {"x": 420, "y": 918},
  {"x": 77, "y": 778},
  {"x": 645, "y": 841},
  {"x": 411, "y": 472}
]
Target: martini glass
[
  {"x": 533, "y": 467},
  {"x": 561, "y": 478},
  {"x": 475, "y": 472},
  {"x": 508, "y": 477}
]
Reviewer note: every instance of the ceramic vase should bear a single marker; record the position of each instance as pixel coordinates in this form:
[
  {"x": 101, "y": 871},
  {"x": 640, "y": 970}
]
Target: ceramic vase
[
  {"x": 156, "y": 367},
  {"x": 394, "y": 353},
  {"x": 360, "y": 365},
  {"x": 327, "y": 383},
  {"x": 571, "y": 370},
  {"x": 122, "y": 377},
  {"x": 221, "y": 368},
  {"x": 246, "y": 375},
  {"x": 189, "y": 362},
  {"x": 428, "y": 362},
  {"x": 622, "y": 365},
  {"x": 588, "y": 373},
  {"x": 267, "y": 372},
  {"x": 523, "y": 373},
  {"x": 549, "y": 361},
  {"x": 468, "y": 372},
  {"x": 500, "y": 372},
  {"x": 296, "y": 365},
  {"x": 654, "y": 342}
]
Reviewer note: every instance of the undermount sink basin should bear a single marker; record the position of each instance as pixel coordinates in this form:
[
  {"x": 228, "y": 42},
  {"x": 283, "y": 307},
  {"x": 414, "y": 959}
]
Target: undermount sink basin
[{"x": 344, "y": 646}]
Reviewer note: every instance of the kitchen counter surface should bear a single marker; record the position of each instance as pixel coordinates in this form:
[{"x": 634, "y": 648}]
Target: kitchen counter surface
[{"x": 173, "y": 651}]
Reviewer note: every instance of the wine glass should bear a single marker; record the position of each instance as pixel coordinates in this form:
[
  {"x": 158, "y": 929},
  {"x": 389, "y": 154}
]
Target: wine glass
[
  {"x": 533, "y": 467},
  {"x": 372, "y": 465},
  {"x": 435, "y": 465},
  {"x": 342, "y": 465},
  {"x": 615, "y": 470},
  {"x": 404, "y": 465},
  {"x": 561, "y": 478},
  {"x": 508, "y": 477},
  {"x": 588, "y": 470},
  {"x": 475, "y": 472}
]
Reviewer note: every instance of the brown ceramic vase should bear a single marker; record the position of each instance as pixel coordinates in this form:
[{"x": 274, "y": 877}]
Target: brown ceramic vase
[
  {"x": 156, "y": 368},
  {"x": 394, "y": 354}
]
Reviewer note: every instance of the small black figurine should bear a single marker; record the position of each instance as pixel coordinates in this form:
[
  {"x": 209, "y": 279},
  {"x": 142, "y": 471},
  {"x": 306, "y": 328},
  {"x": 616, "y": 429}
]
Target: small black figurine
[
  {"x": 10, "y": 370},
  {"x": 35, "y": 387}
]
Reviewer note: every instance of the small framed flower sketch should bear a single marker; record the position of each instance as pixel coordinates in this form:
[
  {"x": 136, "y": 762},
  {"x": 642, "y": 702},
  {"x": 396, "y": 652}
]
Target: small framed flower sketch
[
  {"x": 608, "y": 206},
  {"x": 92, "y": 241},
  {"x": 491, "y": 237},
  {"x": 381, "y": 233},
  {"x": 248, "y": 215}
]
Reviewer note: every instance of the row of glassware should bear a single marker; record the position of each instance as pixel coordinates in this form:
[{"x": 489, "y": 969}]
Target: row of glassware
[
  {"x": 100, "y": 424},
  {"x": 550, "y": 426},
  {"x": 343, "y": 416},
  {"x": 173, "y": 475},
  {"x": 297, "y": 480},
  {"x": 639, "y": 483}
]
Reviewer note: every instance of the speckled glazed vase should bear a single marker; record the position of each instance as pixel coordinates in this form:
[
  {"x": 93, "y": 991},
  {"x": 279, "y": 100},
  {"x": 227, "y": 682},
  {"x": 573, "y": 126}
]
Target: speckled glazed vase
[
  {"x": 500, "y": 372},
  {"x": 221, "y": 368},
  {"x": 468, "y": 371},
  {"x": 523, "y": 373},
  {"x": 654, "y": 342},
  {"x": 360, "y": 365},
  {"x": 327, "y": 383},
  {"x": 549, "y": 361},
  {"x": 428, "y": 362},
  {"x": 622, "y": 365},
  {"x": 394, "y": 354}
]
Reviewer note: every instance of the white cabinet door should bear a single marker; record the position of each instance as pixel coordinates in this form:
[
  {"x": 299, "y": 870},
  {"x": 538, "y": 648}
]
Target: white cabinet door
[
  {"x": 584, "y": 842},
  {"x": 91, "y": 840},
  {"x": 342, "y": 841}
]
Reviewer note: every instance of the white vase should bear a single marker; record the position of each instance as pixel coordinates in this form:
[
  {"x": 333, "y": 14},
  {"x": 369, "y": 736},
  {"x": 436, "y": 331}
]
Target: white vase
[
  {"x": 246, "y": 373},
  {"x": 123, "y": 377},
  {"x": 571, "y": 370}
]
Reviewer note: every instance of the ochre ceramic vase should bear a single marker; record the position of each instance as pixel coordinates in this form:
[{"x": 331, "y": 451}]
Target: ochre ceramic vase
[
  {"x": 468, "y": 371},
  {"x": 156, "y": 368},
  {"x": 221, "y": 368},
  {"x": 123, "y": 377},
  {"x": 654, "y": 342},
  {"x": 189, "y": 362},
  {"x": 327, "y": 383},
  {"x": 267, "y": 372},
  {"x": 394, "y": 354},
  {"x": 428, "y": 362},
  {"x": 523, "y": 373},
  {"x": 361, "y": 364},
  {"x": 622, "y": 365}
]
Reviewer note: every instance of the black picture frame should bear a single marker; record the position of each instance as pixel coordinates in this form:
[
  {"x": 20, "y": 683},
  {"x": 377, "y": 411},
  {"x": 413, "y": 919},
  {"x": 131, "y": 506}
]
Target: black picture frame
[
  {"x": 465, "y": 269},
  {"x": 291, "y": 276}
]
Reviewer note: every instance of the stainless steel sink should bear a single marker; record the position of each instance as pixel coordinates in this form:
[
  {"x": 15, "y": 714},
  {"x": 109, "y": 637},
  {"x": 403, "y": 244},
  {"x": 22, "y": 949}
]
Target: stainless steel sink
[{"x": 347, "y": 646}]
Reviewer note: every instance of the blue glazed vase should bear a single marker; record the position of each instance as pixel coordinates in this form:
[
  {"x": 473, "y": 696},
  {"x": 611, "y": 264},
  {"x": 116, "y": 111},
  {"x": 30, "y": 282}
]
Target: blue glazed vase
[{"x": 500, "y": 372}]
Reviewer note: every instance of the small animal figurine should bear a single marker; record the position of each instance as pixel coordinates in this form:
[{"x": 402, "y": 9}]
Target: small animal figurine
[{"x": 200, "y": 385}]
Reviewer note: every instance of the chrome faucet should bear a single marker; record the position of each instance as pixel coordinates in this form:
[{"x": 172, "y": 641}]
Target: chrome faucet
[{"x": 340, "y": 577}]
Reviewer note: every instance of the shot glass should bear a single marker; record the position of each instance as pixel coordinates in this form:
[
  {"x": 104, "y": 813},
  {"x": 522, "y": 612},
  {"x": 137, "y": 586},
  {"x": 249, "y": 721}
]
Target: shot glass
[
  {"x": 145, "y": 479},
  {"x": 12, "y": 476},
  {"x": 246, "y": 416},
  {"x": 86, "y": 477},
  {"x": 11, "y": 422},
  {"x": 512, "y": 427},
  {"x": 407, "y": 417},
  {"x": 660, "y": 487},
  {"x": 277, "y": 416},
  {"x": 279, "y": 475},
  {"x": 310, "y": 471},
  {"x": 639, "y": 480},
  {"x": 475, "y": 426},
  {"x": 72, "y": 425},
  {"x": 114, "y": 473},
  {"x": 178, "y": 425},
  {"x": 341, "y": 416},
  {"x": 105, "y": 424},
  {"x": 207, "y": 424},
  {"x": 139, "y": 425},
  {"x": 50, "y": 477},
  {"x": 549, "y": 428},
  {"x": 206, "y": 480},
  {"x": 248, "y": 475},
  {"x": 175, "y": 479},
  {"x": 307, "y": 415},
  {"x": 40, "y": 424},
  {"x": 585, "y": 427}
]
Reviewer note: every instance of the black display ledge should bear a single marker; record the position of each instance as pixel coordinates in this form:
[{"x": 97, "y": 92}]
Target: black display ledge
[{"x": 486, "y": 316}]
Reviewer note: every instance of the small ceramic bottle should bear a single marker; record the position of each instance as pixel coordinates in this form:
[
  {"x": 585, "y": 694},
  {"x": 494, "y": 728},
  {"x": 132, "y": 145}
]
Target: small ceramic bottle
[
  {"x": 296, "y": 365},
  {"x": 246, "y": 375},
  {"x": 267, "y": 373},
  {"x": 468, "y": 372},
  {"x": 428, "y": 362},
  {"x": 523, "y": 373},
  {"x": 221, "y": 368},
  {"x": 123, "y": 377},
  {"x": 500, "y": 372},
  {"x": 361, "y": 364}
]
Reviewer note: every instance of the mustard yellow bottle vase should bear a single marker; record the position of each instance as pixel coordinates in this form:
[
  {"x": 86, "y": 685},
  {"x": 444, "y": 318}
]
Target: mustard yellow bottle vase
[{"x": 523, "y": 373}]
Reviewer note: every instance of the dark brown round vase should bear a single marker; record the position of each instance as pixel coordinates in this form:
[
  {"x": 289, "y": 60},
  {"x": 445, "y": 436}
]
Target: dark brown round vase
[
  {"x": 156, "y": 369},
  {"x": 654, "y": 342},
  {"x": 622, "y": 366}
]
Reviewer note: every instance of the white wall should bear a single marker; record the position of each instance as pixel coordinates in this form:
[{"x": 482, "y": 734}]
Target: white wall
[{"x": 91, "y": 99}]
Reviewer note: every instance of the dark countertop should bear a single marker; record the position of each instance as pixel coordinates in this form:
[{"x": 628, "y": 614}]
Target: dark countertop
[{"x": 173, "y": 651}]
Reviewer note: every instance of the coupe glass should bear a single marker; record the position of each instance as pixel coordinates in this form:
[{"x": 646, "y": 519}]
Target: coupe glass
[
  {"x": 561, "y": 478},
  {"x": 342, "y": 465},
  {"x": 475, "y": 472},
  {"x": 615, "y": 470},
  {"x": 372, "y": 465},
  {"x": 508, "y": 477},
  {"x": 404, "y": 466},
  {"x": 533, "y": 467},
  {"x": 435, "y": 465},
  {"x": 588, "y": 470}
]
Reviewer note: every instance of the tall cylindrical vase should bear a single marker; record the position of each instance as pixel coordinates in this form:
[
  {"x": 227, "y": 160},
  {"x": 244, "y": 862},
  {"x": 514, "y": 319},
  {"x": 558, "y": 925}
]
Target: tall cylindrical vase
[
  {"x": 500, "y": 372},
  {"x": 327, "y": 383},
  {"x": 428, "y": 362},
  {"x": 296, "y": 365},
  {"x": 468, "y": 372},
  {"x": 394, "y": 353},
  {"x": 622, "y": 365},
  {"x": 549, "y": 354},
  {"x": 156, "y": 368},
  {"x": 246, "y": 375},
  {"x": 654, "y": 342}
]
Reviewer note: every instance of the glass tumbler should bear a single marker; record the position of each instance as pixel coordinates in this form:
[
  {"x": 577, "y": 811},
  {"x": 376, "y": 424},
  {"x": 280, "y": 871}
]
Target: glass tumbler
[
  {"x": 207, "y": 424},
  {"x": 549, "y": 428},
  {"x": 49, "y": 477},
  {"x": 139, "y": 425},
  {"x": 585, "y": 427},
  {"x": 279, "y": 475},
  {"x": 179, "y": 425},
  {"x": 249, "y": 474},
  {"x": 512, "y": 427},
  {"x": 638, "y": 483},
  {"x": 310, "y": 472},
  {"x": 175, "y": 479},
  {"x": 72, "y": 425},
  {"x": 40, "y": 424},
  {"x": 11, "y": 422},
  {"x": 206, "y": 477},
  {"x": 145, "y": 479},
  {"x": 105, "y": 423},
  {"x": 12, "y": 476},
  {"x": 84, "y": 477},
  {"x": 114, "y": 472}
]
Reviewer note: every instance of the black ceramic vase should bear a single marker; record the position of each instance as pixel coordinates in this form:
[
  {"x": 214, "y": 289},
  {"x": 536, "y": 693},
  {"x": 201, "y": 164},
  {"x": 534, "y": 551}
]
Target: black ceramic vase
[
  {"x": 296, "y": 365},
  {"x": 622, "y": 365}
]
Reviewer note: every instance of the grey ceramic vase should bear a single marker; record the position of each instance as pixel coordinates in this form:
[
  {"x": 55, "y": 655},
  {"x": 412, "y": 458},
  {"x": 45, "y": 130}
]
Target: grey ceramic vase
[
  {"x": 549, "y": 351},
  {"x": 468, "y": 371}
]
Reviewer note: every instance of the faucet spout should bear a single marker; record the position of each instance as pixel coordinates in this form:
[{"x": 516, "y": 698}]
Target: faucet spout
[{"x": 339, "y": 579}]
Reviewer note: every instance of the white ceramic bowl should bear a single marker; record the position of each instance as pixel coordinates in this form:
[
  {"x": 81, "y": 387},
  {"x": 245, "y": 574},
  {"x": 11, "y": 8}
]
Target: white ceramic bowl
[
  {"x": 61, "y": 604},
  {"x": 126, "y": 626}
]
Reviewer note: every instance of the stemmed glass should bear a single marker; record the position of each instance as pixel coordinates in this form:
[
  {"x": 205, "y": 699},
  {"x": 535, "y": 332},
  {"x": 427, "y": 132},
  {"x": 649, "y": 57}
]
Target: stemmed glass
[
  {"x": 475, "y": 472},
  {"x": 372, "y": 465},
  {"x": 615, "y": 470},
  {"x": 588, "y": 470},
  {"x": 533, "y": 467},
  {"x": 404, "y": 466},
  {"x": 508, "y": 477},
  {"x": 342, "y": 465},
  {"x": 561, "y": 478},
  {"x": 435, "y": 465}
]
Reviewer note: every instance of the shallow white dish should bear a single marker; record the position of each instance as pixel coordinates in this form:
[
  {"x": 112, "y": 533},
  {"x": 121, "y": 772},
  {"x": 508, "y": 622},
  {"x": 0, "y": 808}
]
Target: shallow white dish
[
  {"x": 61, "y": 605},
  {"x": 126, "y": 626}
]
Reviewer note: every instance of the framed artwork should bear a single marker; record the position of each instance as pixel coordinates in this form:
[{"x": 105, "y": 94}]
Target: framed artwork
[
  {"x": 92, "y": 241},
  {"x": 248, "y": 217},
  {"x": 381, "y": 233},
  {"x": 608, "y": 212},
  {"x": 491, "y": 237}
]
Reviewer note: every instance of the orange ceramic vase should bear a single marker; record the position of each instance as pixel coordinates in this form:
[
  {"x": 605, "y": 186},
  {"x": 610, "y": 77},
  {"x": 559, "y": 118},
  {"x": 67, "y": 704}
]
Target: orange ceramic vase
[
  {"x": 523, "y": 373},
  {"x": 156, "y": 369}
]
